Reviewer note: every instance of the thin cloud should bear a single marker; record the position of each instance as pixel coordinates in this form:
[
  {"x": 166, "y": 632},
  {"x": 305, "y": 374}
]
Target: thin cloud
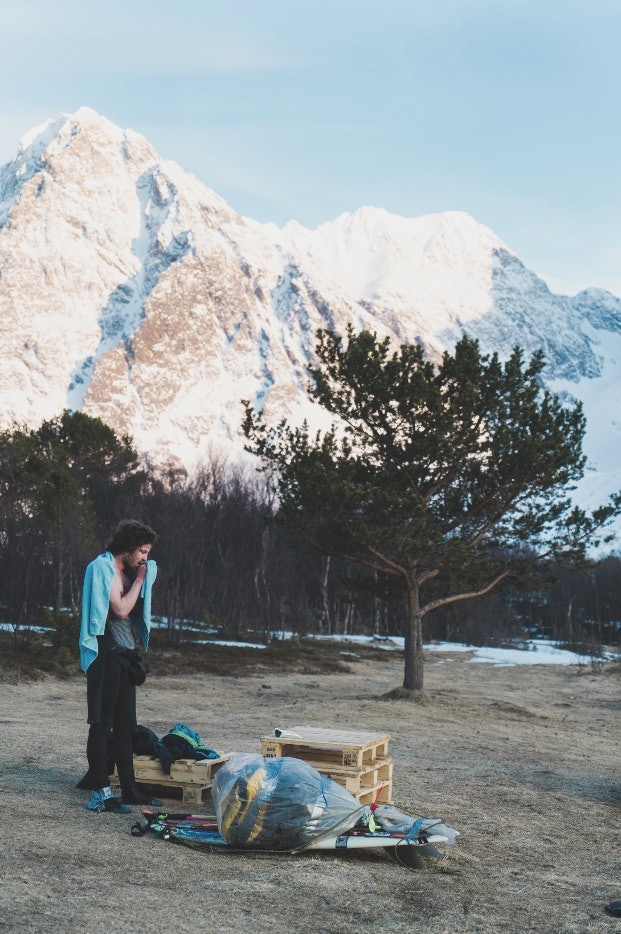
[{"x": 81, "y": 39}]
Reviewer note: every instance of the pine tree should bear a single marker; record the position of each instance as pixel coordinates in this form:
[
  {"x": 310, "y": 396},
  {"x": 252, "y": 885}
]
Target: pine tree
[
  {"x": 449, "y": 479},
  {"x": 59, "y": 482}
]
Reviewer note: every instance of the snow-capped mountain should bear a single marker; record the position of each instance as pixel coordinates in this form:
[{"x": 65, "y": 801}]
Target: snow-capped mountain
[{"x": 131, "y": 290}]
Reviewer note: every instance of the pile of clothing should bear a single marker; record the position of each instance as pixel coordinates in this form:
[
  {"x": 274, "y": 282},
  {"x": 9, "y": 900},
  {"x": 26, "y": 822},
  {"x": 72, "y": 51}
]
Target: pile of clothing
[{"x": 181, "y": 742}]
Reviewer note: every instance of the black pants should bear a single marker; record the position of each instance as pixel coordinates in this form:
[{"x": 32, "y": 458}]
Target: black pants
[{"x": 111, "y": 708}]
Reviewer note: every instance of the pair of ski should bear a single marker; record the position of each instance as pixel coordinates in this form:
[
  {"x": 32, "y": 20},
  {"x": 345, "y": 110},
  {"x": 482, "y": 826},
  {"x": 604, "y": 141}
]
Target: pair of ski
[{"x": 201, "y": 832}]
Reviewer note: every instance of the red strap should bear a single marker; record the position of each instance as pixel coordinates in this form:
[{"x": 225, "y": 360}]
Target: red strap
[{"x": 375, "y": 804}]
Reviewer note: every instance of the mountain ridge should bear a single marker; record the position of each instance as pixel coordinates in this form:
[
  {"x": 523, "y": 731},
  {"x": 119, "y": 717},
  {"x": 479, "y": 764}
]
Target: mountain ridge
[{"x": 130, "y": 290}]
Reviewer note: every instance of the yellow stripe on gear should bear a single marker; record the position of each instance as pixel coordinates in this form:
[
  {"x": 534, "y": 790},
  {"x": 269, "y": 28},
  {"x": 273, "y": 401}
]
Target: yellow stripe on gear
[
  {"x": 258, "y": 824},
  {"x": 236, "y": 811}
]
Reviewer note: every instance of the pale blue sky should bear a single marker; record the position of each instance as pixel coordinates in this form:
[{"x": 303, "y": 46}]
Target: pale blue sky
[{"x": 506, "y": 109}]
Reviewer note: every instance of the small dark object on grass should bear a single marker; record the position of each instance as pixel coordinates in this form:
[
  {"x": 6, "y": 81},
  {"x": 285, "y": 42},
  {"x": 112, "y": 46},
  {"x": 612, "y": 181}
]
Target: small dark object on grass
[{"x": 614, "y": 909}]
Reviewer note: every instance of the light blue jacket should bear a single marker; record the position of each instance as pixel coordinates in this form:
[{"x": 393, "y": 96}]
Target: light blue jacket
[{"x": 95, "y": 601}]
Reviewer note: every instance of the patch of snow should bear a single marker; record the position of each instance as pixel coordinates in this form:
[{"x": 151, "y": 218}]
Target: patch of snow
[
  {"x": 539, "y": 651},
  {"x": 240, "y": 645}
]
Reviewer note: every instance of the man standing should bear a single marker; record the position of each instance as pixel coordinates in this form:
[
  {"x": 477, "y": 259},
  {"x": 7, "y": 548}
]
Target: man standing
[{"x": 116, "y": 616}]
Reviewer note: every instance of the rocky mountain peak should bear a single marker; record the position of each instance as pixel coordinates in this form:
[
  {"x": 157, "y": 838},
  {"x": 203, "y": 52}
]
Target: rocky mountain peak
[{"x": 131, "y": 290}]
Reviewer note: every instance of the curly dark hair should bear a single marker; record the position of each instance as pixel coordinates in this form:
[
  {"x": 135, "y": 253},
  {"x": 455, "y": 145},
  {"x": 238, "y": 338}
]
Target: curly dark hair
[{"x": 129, "y": 535}]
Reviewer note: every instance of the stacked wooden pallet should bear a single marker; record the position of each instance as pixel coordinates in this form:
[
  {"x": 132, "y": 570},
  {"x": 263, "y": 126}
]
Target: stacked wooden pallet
[
  {"x": 189, "y": 779},
  {"x": 356, "y": 760}
]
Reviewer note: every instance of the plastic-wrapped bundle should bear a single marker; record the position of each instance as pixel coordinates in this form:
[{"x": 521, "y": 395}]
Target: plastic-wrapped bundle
[
  {"x": 391, "y": 818},
  {"x": 278, "y": 804}
]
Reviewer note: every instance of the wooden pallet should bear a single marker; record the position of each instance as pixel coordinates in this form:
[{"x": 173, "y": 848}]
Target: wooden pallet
[
  {"x": 367, "y": 785},
  {"x": 381, "y": 794},
  {"x": 348, "y": 749},
  {"x": 358, "y": 781},
  {"x": 189, "y": 779}
]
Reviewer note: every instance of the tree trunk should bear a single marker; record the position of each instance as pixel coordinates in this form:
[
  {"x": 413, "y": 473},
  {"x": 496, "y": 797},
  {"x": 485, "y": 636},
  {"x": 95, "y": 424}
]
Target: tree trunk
[
  {"x": 59, "y": 578},
  {"x": 377, "y": 610},
  {"x": 413, "y": 672},
  {"x": 349, "y": 615},
  {"x": 260, "y": 585},
  {"x": 325, "y": 622}
]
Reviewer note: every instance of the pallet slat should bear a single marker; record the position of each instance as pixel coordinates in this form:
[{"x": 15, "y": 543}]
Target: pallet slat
[
  {"x": 356, "y": 760},
  {"x": 186, "y": 770},
  {"x": 361, "y": 781},
  {"x": 349, "y": 749},
  {"x": 382, "y": 794},
  {"x": 189, "y": 778}
]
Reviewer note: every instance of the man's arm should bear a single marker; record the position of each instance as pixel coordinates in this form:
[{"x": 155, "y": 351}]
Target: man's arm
[{"x": 122, "y": 604}]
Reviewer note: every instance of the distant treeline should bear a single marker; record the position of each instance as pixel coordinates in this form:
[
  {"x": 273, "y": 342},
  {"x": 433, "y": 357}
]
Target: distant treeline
[{"x": 224, "y": 559}]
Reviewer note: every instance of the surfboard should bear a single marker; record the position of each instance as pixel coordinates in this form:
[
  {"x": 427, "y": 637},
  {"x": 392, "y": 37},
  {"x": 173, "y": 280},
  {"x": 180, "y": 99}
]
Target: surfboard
[{"x": 200, "y": 831}]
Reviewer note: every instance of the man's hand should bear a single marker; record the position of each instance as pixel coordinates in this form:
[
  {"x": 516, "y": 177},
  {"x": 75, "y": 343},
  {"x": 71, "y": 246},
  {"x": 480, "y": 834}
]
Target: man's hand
[{"x": 122, "y": 601}]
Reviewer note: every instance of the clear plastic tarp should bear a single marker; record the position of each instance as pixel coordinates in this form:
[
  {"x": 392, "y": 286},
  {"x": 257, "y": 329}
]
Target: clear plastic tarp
[{"x": 279, "y": 804}]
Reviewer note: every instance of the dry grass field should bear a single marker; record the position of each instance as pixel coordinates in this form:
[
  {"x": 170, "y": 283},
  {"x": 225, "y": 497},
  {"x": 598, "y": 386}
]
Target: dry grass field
[{"x": 523, "y": 761}]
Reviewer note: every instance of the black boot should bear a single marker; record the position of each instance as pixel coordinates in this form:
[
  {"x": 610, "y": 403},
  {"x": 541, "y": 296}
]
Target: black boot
[
  {"x": 133, "y": 795},
  {"x": 90, "y": 782}
]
